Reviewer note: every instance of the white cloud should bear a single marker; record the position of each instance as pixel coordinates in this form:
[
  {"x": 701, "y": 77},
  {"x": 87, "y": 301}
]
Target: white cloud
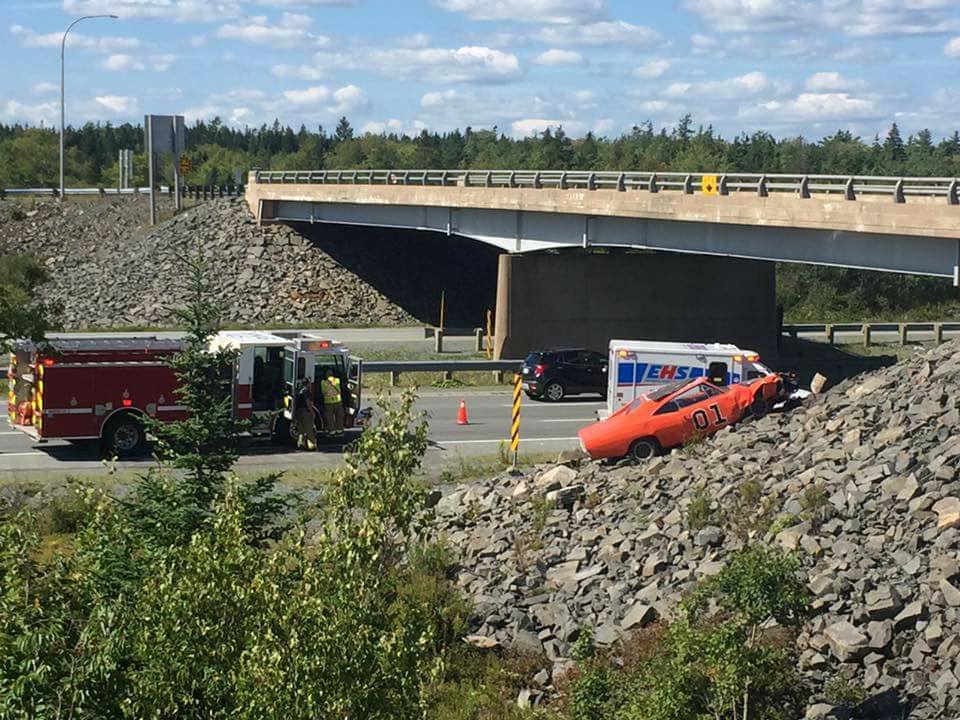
[
  {"x": 441, "y": 65},
  {"x": 539, "y": 11},
  {"x": 40, "y": 114},
  {"x": 952, "y": 48},
  {"x": 118, "y": 104},
  {"x": 438, "y": 99},
  {"x": 599, "y": 34},
  {"x": 291, "y": 32},
  {"x": 121, "y": 63},
  {"x": 814, "y": 107},
  {"x": 309, "y": 96},
  {"x": 531, "y": 126},
  {"x": 702, "y": 44},
  {"x": 418, "y": 40},
  {"x": 651, "y": 69},
  {"x": 831, "y": 81},
  {"x": 379, "y": 128},
  {"x": 104, "y": 44},
  {"x": 45, "y": 88},
  {"x": 300, "y": 72},
  {"x": 305, "y": 3},
  {"x": 162, "y": 63},
  {"x": 240, "y": 115},
  {"x": 751, "y": 83},
  {"x": 198, "y": 41},
  {"x": 604, "y": 126},
  {"x": 205, "y": 112},
  {"x": 556, "y": 56},
  {"x": 851, "y": 17},
  {"x": 176, "y": 10},
  {"x": 349, "y": 98}
]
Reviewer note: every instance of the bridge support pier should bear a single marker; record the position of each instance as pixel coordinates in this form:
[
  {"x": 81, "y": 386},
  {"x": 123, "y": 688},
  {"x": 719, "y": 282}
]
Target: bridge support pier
[{"x": 577, "y": 299}]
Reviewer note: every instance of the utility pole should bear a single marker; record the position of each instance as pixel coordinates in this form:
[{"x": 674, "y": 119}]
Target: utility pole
[{"x": 63, "y": 48}]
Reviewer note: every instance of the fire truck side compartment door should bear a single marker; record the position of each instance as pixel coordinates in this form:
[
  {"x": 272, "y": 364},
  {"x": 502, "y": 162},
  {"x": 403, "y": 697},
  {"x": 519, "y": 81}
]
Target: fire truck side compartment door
[{"x": 355, "y": 382}]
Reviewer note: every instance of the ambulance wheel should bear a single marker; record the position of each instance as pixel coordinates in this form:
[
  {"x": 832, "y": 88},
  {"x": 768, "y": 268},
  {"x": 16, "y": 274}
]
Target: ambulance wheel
[
  {"x": 125, "y": 436},
  {"x": 283, "y": 432},
  {"x": 554, "y": 391},
  {"x": 759, "y": 407},
  {"x": 644, "y": 449}
]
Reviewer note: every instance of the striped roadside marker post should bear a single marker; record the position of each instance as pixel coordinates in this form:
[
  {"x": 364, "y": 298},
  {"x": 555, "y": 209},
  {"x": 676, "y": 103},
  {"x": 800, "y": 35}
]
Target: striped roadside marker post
[{"x": 515, "y": 422}]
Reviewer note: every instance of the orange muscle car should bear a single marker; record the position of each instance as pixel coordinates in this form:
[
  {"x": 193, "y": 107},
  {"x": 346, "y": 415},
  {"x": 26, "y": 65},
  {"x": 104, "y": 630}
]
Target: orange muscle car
[{"x": 671, "y": 415}]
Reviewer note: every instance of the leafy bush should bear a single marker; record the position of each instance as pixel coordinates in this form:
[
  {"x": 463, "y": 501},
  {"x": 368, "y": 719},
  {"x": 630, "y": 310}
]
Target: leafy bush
[{"x": 717, "y": 659}]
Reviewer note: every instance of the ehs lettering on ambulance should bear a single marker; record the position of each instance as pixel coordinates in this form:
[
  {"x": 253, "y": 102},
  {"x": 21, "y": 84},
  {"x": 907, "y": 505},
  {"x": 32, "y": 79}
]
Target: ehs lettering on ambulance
[{"x": 630, "y": 374}]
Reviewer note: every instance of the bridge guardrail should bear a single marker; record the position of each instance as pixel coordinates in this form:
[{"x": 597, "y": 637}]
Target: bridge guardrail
[
  {"x": 867, "y": 331},
  {"x": 850, "y": 187}
]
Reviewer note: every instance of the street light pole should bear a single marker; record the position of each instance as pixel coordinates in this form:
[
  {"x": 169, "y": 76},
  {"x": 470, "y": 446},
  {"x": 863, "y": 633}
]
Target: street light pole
[{"x": 63, "y": 47}]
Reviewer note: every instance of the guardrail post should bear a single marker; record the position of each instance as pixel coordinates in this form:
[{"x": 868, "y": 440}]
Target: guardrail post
[
  {"x": 498, "y": 377},
  {"x": 563, "y": 180},
  {"x": 478, "y": 335},
  {"x": 805, "y": 187},
  {"x": 830, "y": 333},
  {"x": 536, "y": 181},
  {"x": 848, "y": 192},
  {"x": 653, "y": 183},
  {"x": 722, "y": 185},
  {"x": 938, "y": 333},
  {"x": 762, "y": 186},
  {"x": 866, "y": 335},
  {"x": 438, "y": 340},
  {"x": 486, "y": 179},
  {"x": 898, "y": 192},
  {"x": 952, "y": 198},
  {"x": 592, "y": 181},
  {"x": 688, "y": 185},
  {"x": 903, "y": 333},
  {"x": 621, "y": 182},
  {"x": 394, "y": 377},
  {"x": 513, "y": 180}
]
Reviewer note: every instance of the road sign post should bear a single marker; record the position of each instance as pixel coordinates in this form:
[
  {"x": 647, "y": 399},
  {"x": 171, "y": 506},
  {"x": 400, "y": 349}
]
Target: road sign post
[
  {"x": 515, "y": 419},
  {"x": 165, "y": 134}
]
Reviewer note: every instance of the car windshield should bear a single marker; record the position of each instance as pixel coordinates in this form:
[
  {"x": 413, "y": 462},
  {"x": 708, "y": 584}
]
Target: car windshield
[{"x": 662, "y": 392}]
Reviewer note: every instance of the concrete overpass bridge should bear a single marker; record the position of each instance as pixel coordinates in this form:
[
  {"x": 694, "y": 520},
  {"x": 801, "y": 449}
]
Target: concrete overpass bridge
[{"x": 902, "y": 225}]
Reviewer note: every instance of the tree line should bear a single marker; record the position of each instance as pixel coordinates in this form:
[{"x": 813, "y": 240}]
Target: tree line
[{"x": 218, "y": 152}]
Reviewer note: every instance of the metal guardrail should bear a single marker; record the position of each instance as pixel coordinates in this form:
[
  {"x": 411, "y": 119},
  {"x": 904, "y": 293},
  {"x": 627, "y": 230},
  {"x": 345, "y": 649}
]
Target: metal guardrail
[
  {"x": 849, "y": 187},
  {"x": 447, "y": 367},
  {"x": 868, "y": 331},
  {"x": 198, "y": 192}
]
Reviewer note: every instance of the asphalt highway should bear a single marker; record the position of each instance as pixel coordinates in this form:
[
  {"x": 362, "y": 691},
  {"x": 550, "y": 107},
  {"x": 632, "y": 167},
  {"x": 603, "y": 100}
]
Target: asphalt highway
[{"x": 545, "y": 428}]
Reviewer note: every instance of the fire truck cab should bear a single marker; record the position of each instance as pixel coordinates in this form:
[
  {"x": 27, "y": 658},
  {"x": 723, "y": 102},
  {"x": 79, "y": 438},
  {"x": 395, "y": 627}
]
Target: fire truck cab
[{"x": 101, "y": 389}]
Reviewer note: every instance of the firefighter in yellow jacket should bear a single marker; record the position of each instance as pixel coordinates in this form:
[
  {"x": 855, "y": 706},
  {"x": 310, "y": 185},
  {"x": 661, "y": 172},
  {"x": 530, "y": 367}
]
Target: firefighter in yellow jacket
[{"x": 332, "y": 403}]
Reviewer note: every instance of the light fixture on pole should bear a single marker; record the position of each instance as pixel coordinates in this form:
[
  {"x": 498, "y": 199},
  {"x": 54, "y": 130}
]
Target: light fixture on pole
[{"x": 63, "y": 46}]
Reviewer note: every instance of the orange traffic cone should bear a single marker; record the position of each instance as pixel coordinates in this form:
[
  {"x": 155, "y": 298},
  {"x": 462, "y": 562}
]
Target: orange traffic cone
[{"x": 462, "y": 414}]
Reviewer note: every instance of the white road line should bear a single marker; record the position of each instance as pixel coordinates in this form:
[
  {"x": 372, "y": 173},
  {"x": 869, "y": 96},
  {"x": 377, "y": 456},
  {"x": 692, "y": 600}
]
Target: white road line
[
  {"x": 19, "y": 454},
  {"x": 12, "y": 432},
  {"x": 522, "y": 440},
  {"x": 577, "y": 420},
  {"x": 557, "y": 406}
]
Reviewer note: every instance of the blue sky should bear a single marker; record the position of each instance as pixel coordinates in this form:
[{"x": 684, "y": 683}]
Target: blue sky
[{"x": 790, "y": 66}]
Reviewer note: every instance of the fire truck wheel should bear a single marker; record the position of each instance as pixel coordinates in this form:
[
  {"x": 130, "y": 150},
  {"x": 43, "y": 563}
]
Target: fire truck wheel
[{"x": 125, "y": 436}]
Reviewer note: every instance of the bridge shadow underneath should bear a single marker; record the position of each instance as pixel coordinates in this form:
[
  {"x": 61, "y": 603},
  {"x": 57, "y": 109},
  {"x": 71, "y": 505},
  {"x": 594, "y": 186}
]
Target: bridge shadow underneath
[{"x": 414, "y": 268}]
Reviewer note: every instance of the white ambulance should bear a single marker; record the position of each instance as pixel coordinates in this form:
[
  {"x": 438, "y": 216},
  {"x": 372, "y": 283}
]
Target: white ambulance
[{"x": 636, "y": 366}]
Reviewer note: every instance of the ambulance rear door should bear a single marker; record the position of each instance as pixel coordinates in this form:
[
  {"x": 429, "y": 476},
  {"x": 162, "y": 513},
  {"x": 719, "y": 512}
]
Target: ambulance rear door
[{"x": 294, "y": 370}]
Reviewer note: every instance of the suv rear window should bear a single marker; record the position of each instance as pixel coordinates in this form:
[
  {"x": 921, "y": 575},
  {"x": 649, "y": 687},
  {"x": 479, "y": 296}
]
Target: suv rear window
[{"x": 533, "y": 358}]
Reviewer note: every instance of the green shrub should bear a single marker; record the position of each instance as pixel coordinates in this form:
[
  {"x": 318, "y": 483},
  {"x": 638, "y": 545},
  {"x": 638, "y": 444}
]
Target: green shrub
[
  {"x": 716, "y": 659},
  {"x": 700, "y": 512},
  {"x": 841, "y": 691}
]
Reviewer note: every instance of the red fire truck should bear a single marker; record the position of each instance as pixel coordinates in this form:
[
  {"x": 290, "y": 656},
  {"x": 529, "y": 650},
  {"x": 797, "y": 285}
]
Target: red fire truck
[{"x": 101, "y": 389}]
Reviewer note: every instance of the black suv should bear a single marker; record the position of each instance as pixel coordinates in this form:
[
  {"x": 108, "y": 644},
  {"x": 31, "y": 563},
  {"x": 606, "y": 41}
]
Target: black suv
[{"x": 553, "y": 374}]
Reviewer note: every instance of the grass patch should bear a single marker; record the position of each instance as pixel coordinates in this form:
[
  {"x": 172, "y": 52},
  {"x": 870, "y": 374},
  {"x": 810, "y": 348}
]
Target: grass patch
[{"x": 464, "y": 468}]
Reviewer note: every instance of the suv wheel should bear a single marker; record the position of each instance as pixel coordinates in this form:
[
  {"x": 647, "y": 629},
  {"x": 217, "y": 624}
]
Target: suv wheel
[{"x": 554, "y": 391}]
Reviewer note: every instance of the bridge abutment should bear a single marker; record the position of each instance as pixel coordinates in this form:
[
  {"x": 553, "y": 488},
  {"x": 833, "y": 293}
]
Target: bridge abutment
[{"x": 576, "y": 299}]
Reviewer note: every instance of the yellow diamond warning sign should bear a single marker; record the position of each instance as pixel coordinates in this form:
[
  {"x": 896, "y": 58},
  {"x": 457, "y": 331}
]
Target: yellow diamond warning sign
[{"x": 709, "y": 185}]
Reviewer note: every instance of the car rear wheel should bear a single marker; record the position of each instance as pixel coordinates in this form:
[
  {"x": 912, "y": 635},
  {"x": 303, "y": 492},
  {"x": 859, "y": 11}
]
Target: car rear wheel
[
  {"x": 644, "y": 449},
  {"x": 554, "y": 391},
  {"x": 125, "y": 437}
]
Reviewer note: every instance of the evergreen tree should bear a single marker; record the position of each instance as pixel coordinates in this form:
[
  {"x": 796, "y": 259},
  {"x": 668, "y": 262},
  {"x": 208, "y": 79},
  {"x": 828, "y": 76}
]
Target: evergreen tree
[
  {"x": 893, "y": 145},
  {"x": 344, "y": 131}
]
